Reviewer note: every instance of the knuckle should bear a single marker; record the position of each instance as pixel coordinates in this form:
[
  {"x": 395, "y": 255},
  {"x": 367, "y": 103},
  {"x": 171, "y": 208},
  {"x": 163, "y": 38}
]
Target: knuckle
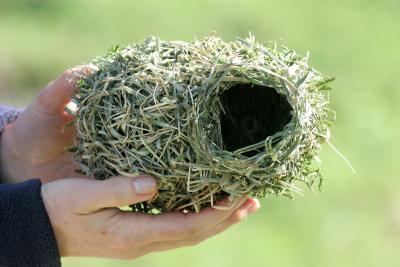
[
  {"x": 68, "y": 74},
  {"x": 66, "y": 78},
  {"x": 189, "y": 228},
  {"x": 115, "y": 190},
  {"x": 43, "y": 97},
  {"x": 194, "y": 240},
  {"x": 190, "y": 232},
  {"x": 125, "y": 256},
  {"x": 238, "y": 216},
  {"x": 129, "y": 242},
  {"x": 123, "y": 243}
]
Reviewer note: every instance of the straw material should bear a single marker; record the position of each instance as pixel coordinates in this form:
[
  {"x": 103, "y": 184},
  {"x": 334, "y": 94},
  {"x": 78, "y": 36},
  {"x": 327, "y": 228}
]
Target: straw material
[{"x": 208, "y": 119}]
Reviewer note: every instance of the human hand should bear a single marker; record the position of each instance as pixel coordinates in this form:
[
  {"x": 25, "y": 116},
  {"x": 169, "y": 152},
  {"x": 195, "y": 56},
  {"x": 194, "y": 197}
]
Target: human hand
[
  {"x": 86, "y": 221},
  {"x": 33, "y": 146}
]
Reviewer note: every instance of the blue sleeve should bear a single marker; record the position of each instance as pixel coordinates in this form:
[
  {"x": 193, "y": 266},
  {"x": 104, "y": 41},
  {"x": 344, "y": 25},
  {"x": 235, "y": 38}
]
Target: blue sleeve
[{"x": 26, "y": 235}]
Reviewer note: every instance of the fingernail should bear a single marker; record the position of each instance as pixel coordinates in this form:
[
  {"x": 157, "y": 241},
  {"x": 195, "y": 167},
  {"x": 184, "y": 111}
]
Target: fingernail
[{"x": 144, "y": 185}]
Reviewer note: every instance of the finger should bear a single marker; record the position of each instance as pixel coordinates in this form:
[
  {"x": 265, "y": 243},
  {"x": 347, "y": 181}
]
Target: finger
[
  {"x": 94, "y": 195},
  {"x": 178, "y": 225},
  {"x": 249, "y": 207},
  {"x": 57, "y": 93}
]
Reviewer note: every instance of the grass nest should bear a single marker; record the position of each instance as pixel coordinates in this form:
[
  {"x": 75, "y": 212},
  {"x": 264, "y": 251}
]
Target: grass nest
[{"x": 208, "y": 119}]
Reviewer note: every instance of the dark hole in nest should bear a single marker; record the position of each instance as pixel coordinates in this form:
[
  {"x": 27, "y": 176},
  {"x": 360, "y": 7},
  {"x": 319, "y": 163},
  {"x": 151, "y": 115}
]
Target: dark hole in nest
[{"x": 252, "y": 113}]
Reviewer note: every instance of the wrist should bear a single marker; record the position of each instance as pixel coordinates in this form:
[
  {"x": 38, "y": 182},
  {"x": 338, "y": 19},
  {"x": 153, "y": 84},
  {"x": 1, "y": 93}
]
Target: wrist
[
  {"x": 50, "y": 214},
  {"x": 11, "y": 169}
]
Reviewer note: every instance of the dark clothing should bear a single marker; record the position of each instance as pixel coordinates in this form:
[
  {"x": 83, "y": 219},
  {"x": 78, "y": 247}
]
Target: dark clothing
[{"x": 26, "y": 236}]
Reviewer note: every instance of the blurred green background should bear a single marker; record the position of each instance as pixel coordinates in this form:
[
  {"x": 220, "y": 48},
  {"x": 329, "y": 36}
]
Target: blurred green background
[{"x": 356, "y": 220}]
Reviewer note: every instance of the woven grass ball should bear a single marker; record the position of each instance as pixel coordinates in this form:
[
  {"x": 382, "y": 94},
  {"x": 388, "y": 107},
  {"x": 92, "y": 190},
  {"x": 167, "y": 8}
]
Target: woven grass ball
[{"x": 208, "y": 119}]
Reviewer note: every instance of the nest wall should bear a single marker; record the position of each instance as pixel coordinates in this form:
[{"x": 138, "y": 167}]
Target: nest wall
[{"x": 165, "y": 109}]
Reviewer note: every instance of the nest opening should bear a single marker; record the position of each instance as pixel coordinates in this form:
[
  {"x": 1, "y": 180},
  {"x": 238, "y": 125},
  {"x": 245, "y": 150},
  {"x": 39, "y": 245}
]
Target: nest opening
[{"x": 250, "y": 113}]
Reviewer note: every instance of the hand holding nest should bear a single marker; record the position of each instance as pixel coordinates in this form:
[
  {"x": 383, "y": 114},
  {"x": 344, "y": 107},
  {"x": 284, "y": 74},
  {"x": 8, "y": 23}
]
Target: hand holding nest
[
  {"x": 87, "y": 222},
  {"x": 33, "y": 146},
  {"x": 84, "y": 213}
]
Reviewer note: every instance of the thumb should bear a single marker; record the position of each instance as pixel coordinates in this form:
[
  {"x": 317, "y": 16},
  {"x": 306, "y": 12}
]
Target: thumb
[
  {"x": 57, "y": 94},
  {"x": 93, "y": 195}
]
